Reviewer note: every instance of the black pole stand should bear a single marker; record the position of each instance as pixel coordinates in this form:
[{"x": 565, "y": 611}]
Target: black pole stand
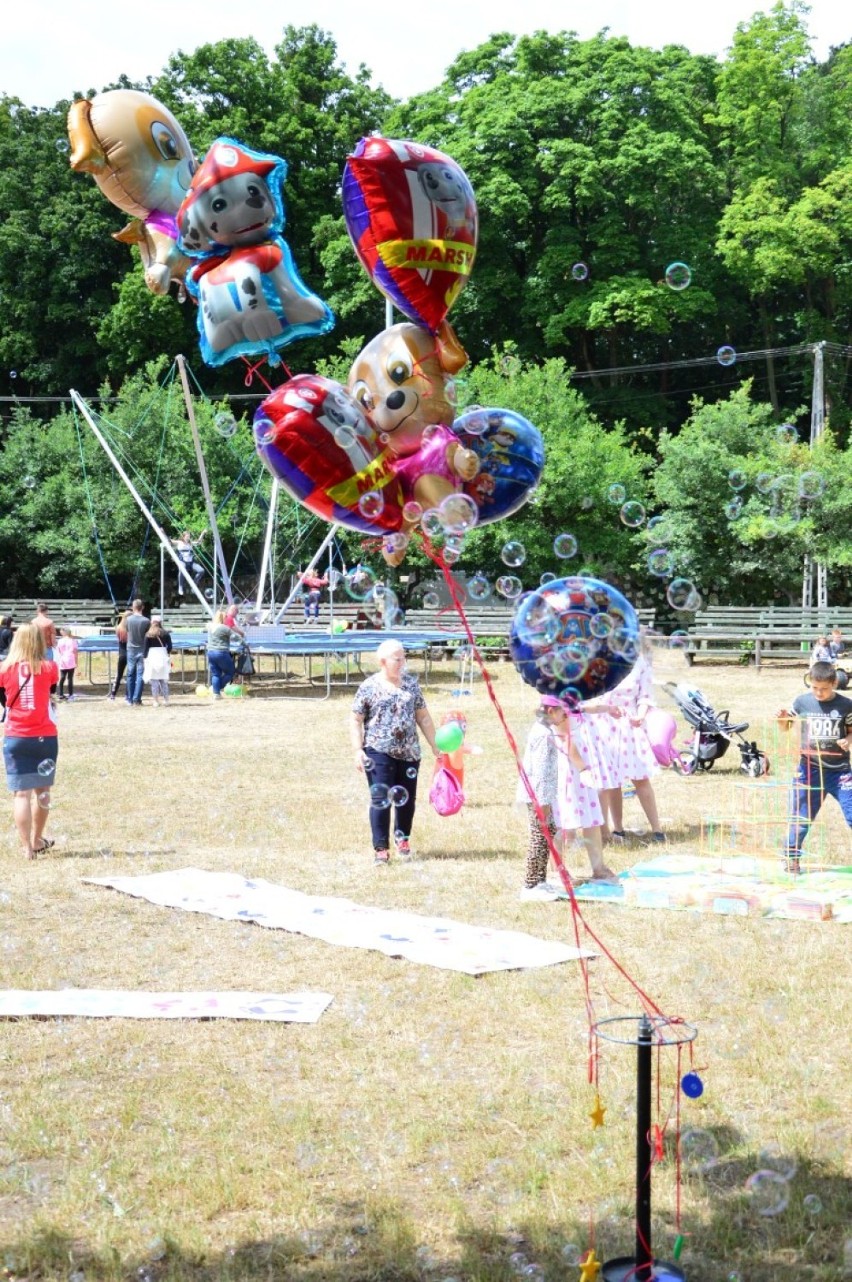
[{"x": 642, "y": 1267}]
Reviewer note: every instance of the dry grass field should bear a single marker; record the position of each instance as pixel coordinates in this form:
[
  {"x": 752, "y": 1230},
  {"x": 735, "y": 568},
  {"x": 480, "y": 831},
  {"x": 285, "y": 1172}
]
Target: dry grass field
[{"x": 429, "y": 1126}]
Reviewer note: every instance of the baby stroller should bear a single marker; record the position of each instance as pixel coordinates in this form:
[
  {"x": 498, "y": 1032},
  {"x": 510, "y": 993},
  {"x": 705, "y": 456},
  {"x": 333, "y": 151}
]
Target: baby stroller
[{"x": 714, "y": 734}]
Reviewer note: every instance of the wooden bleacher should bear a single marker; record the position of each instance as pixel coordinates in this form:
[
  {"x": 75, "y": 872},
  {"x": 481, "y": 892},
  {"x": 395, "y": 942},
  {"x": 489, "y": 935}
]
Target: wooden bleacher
[
  {"x": 761, "y": 633},
  {"x": 85, "y": 613}
]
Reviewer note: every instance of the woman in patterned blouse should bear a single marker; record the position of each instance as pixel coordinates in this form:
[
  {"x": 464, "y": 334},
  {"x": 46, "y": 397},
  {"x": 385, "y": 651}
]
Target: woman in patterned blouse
[{"x": 387, "y": 710}]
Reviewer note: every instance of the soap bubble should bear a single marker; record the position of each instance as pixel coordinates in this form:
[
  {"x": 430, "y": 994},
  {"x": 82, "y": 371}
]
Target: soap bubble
[
  {"x": 225, "y": 424},
  {"x": 344, "y": 437},
  {"x": 764, "y": 482},
  {"x": 579, "y": 271},
  {"x": 371, "y": 504},
  {"x": 513, "y": 553},
  {"x": 616, "y": 494},
  {"x": 679, "y": 639},
  {"x": 587, "y": 502},
  {"x": 812, "y": 1204},
  {"x": 397, "y": 795},
  {"x": 43, "y": 799},
  {"x": 46, "y": 768},
  {"x": 786, "y": 434},
  {"x": 411, "y": 772},
  {"x": 431, "y": 523},
  {"x": 811, "y": 485},
  {"x": 431, "y": 601},
  {"x": 546, "y": 578},
  {"x": 571, "y": 1253},
  {"x": 474, "y": 421},
  {"x": 13, "y": 373},
  {"x": 678, "y": 275},
  {"x": 737, "y": 479},
  {"x": 459, "y": 512},
  {"x": 699, "y": 1150},
  {"x": 769, "y": 1193},
  {"x": 660, "y": 563},
  {"x": 734, "y": 509},
  {"x": 379, "y": 798},
  {"x": 509, "y": 586},
  {"x": 772, "y": 1158},
  {"x": 536, "y": 624},
  {"x": 411, "y": 512},
  {"x": 565, "y": 546},
  {"x": 396, "y": 542},
  {"x": 264, "y": 430},
  {"x": 29, "y": 482},
  {"x": 632, "y": 514},
  {"x": 601, "y": 626},
  {"x": 681, "y": 594},
  {"x": 208, "y": 594},
  {"x": 510, "y": 364},
  {"x": 478, "y": 587},
  {"x": 359, "y": 582},
  {"x": 726, "y": 355}
]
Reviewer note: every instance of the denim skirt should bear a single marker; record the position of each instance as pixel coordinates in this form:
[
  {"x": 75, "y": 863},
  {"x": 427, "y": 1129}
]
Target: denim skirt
[{"x": 30, "y": 762}]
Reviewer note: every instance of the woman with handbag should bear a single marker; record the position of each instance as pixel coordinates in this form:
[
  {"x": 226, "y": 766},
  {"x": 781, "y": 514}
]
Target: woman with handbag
[
  {"x": 387, "y": 711},
  {"x": 30, "y": 746}
]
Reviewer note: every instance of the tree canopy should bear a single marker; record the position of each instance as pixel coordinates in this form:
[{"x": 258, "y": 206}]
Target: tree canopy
[{"x": 596, "y": 164}]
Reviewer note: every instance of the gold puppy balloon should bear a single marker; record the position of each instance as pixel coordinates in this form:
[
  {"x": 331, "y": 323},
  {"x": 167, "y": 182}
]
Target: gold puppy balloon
[{"x": 141, "y": 159}]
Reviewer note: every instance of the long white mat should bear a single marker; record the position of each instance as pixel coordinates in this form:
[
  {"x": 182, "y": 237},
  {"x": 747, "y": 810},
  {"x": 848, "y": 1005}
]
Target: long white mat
[
  {"x": 432, "y": 941},
  {"x": 285, "y": 1008}
]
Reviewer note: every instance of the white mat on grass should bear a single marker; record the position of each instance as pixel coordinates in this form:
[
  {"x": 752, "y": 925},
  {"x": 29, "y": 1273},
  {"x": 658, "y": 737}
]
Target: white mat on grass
[
  {"x": 285, "y": 1008},
  {"x": 432, "y": 941}
]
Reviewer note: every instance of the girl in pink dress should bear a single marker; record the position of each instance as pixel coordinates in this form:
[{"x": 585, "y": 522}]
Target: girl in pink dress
[
  {"x": 577, "y": 808},
  {"x": 635, "y": 759}
]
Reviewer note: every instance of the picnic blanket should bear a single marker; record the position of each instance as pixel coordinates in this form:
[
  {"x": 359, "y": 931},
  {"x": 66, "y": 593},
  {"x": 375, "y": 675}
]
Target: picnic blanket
[
  {"x": 431, "y": 941},
  {"x": 285, "y": 1008},
  {"x": 738, "y": 885}
]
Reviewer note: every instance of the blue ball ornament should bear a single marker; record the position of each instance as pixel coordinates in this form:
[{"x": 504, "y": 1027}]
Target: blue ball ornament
[{"x": 692, "y": 1085}]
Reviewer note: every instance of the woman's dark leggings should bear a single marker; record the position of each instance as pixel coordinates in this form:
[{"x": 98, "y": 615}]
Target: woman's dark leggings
[
  {"x": 66, "y": 674},
  {"x": 122, "y": 664},
  {"x": 390, "y": 772}
]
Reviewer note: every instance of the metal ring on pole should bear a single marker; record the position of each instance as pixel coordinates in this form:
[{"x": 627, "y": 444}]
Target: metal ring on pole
[{"x": 660, "y": 1025}]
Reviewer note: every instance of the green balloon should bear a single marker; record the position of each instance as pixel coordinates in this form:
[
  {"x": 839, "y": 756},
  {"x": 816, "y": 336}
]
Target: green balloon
[{"x": 449, "y": 737}]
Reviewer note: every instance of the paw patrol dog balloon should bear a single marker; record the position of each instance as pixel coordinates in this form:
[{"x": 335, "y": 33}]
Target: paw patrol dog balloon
[
  {"x": 411, "y": 214},
  {"x": 323, "y": 449},
  {"x": 251, "y": 299},
  {"x": 141, "y": 159}
]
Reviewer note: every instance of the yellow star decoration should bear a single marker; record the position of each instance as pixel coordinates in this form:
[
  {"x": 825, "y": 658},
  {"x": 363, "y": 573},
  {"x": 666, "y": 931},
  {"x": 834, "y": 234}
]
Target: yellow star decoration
[
  {"x": 597, "y": 1114},
  {"x": 590, "y": 1267}
]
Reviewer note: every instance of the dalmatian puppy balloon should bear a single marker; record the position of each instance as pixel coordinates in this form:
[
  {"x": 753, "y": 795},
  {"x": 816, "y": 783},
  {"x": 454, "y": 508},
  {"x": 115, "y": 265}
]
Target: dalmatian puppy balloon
[{"x": 251, "y": 299}]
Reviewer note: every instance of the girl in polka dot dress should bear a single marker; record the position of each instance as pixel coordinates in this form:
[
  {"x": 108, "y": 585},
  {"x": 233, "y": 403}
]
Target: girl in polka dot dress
[{"x": 634, "y": 757}]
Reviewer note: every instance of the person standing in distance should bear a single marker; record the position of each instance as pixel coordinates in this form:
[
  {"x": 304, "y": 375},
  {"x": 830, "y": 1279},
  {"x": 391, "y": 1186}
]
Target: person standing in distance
[
  {"x": 47, "y": 627},
  {"x": 136, "y": 625}
]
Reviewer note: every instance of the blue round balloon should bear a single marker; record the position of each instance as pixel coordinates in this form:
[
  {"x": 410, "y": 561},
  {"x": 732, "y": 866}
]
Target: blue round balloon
[
  {"x": 575, "y": 638},
  {"x": 692, "y": 1085},
  {"x": 511, "y": 458}
]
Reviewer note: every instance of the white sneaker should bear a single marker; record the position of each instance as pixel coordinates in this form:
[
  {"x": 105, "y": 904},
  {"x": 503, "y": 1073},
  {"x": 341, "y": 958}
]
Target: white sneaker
[{"x": 542, "y": 893}]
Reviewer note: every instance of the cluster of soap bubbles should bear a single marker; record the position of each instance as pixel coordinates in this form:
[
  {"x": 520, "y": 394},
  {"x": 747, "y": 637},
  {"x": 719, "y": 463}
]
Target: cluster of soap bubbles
[
  {"x": 786, "y": 491},
  {"x": 383, "y": 797}
]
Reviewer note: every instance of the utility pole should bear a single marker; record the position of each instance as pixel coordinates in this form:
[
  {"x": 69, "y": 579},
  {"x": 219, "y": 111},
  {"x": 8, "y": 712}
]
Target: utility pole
[{"x": 817, "y": 429}]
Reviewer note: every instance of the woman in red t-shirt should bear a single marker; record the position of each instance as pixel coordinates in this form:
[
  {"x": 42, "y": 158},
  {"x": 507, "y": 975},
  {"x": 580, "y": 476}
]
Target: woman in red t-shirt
[{"x": 30, "y": 745}]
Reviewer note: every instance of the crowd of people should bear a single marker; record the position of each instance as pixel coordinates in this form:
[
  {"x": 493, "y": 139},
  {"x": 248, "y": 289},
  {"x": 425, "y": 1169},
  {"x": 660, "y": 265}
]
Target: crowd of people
[{"x": 578, "y": 761}]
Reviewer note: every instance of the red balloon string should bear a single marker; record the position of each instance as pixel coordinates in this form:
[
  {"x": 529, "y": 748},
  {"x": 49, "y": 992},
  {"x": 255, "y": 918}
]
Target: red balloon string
[{"x": 578, "y": 920}]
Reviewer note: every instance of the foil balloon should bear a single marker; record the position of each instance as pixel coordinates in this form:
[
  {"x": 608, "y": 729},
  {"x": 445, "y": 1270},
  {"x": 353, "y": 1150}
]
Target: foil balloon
[
  {"x": 575, "y": 638},
  {"x": 511, "y": 459},
  {"x": 252, "y": 300},
  {"x": 404, "y": 380},
  {"x": 141, "y": 159},
  {"x": 326, "y": 453},
  {"x": 411, "y": 213}
]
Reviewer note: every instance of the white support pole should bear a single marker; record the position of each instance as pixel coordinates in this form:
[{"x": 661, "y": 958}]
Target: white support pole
[
  {"x": 388, "y": 313},
  {"x": 817, "y": 429},
  {"x": 162, "y": 583},
  {"x": 313, "y": 561},
  {"x": 165, "y": 541},
  {"x": 265, "y": 560},
  {"x": 205, "y": 485}
]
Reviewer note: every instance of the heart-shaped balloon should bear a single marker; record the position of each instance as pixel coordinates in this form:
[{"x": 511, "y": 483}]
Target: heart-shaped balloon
[
  {"x": 411, "y": 213},
  {"x": 511, "y": 459},
  {"x": 314, "y": 437}
]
